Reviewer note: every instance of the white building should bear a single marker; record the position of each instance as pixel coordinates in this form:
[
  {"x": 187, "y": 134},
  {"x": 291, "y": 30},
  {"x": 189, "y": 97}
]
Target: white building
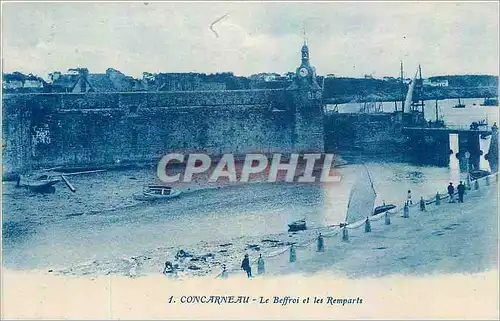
[{"x": 435, "y": 83}]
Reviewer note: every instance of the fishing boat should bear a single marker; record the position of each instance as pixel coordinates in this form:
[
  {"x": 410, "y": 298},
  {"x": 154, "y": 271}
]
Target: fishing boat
[
  {"x": 484, "y": 135},
  {"x": 299, "y": 225},
  {"x": 157, "y": 193},
  {"x": 439, "y": 121},
  {"x": 459, "y": 105},
  {"x": 483, "y": 122},
  {"x": 490, "y": 102},
  {"x": 383, "y": 208},
  {"x": 477, "y": 174},
  {"x": 40, "y": 184}
]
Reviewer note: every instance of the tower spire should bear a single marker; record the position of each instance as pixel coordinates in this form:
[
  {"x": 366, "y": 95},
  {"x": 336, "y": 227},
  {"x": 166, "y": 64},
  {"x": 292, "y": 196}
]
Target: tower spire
[{"x": 304, "y": 35}]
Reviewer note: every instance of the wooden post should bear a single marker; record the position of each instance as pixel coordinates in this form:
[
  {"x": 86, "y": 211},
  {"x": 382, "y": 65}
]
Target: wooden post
[
  {"x": 345, "y": 234},
  {"x": 368, "y": 226}
]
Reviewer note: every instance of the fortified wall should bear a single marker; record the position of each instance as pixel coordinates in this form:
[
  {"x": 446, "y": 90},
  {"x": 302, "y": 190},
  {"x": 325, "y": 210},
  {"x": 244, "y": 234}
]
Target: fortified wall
[
  {"x": 376, "y": 135},
  {"x": 47, "y": 130}
]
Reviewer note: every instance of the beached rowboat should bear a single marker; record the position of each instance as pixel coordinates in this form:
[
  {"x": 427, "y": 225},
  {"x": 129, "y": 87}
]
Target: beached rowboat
[
  {"x": 299, "y": 225},
  {"x": 383, "y": 208},
  {"x": 157, "y": 193}
]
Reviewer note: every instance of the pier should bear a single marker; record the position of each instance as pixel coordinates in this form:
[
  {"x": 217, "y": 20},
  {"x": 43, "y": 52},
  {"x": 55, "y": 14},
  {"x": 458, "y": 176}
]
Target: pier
[{"x": 433, "y": 144}]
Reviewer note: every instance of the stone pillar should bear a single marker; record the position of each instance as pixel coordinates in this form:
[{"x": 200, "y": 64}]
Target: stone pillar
[
  {"x": 430, "y": 147},
  {"x": 463, "y": 146},
  {"x": 406, "y": 211},
  {"x": 474, "y": 150},
  {"x": 345, "y": 234}
]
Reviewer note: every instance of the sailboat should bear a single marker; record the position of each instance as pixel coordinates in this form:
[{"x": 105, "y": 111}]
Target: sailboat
[
  {"x": 490, "y": 102},
  {"x": 409, "y": 94},
  {"x": 459, "y": 105},
  {"x": 362, "y": 198},
  {"x": 414, "y": 96},
  {"x": 439, "y": 122}
]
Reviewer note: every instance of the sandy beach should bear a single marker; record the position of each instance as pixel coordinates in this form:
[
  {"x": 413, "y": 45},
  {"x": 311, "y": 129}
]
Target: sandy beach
[
  {"x": 444, "y": 261},
  {"x": 427, "y": 242}
]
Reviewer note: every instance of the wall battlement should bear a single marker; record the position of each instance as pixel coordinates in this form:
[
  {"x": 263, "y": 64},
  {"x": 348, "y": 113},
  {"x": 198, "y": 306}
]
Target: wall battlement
[{"x": 138, "y": 100}]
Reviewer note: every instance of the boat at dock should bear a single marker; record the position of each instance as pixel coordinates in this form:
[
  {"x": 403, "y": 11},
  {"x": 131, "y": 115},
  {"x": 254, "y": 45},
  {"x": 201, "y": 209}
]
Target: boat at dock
[
  {"x": 299, "y": 225},
  {"x": 490, "y": 102},
  {"x": 484, "y": 135},
  {"x": 157, "y": 193},
  {"x": 477, "y": 174}
]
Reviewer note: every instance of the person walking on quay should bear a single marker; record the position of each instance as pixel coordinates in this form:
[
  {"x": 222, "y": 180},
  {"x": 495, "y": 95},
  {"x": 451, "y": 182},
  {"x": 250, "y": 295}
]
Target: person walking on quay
[
  {"x": 260, "y": 265},
  {"x": 408, "y": 198},
  {"x": 245, "y": 265},
  {"x": 451, "y": 191},
  {"x": 461, "y": 192}
]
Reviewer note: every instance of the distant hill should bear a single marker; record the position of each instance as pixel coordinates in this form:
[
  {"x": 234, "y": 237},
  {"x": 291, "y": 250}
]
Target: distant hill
[
  {"x": 468, "y": 80},
  {"x": 339, "y": 90}
]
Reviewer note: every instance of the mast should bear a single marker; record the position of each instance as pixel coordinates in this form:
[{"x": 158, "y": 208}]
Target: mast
[
  {"x": 437, "y": 115},
  {"x": 420, "y": 91},
  {"x": 402, "y": 89}
]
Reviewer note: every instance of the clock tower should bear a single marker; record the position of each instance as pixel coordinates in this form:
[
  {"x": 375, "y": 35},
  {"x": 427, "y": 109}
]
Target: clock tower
[
  {"x": 306, "y": 97},
  {"x": 305, "y": 75}
]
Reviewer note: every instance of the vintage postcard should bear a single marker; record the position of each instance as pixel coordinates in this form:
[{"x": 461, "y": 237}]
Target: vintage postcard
[{"x": 250, "y": 160}]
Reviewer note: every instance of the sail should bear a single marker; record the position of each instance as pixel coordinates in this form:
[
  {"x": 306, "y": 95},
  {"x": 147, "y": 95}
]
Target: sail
[
  {"x": 409, "y": 95},
  {"x": 362, "y": 198}
]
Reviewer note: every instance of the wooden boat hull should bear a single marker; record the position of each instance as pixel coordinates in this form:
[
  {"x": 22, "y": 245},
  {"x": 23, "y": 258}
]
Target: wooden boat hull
[
  {"x": 41, "y": 186},
  {"x": 297, "y": 226},
  {"x": 478, "y": 174},
  {"x": 156, "y": 197},
  {"x": 383, "y": 208},
  {"x": 490, "y": 102}
]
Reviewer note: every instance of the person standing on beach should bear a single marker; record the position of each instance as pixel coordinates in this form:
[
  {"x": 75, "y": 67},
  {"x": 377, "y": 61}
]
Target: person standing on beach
[
  {"x": 245, "y": 265},
  {"x": 461, "y": 192},
  {"x": 408, "y": 198},
  {"x": 451, "y": 191},
  {"x": 260, "y": 265},
  {"x": 224, "y": 273},
  {"x": 293, "y": 255},
  {"x": 169, "y": 269},
  {"x": 321, "y": 243}
]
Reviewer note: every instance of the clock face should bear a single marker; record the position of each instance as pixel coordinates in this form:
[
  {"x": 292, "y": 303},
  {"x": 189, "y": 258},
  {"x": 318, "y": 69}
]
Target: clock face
[{"x": 303, "y": 72}]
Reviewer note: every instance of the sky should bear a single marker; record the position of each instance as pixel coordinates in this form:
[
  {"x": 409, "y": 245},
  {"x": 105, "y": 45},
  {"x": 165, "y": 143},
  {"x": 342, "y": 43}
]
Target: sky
[{"x": 347, "y": 39}]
